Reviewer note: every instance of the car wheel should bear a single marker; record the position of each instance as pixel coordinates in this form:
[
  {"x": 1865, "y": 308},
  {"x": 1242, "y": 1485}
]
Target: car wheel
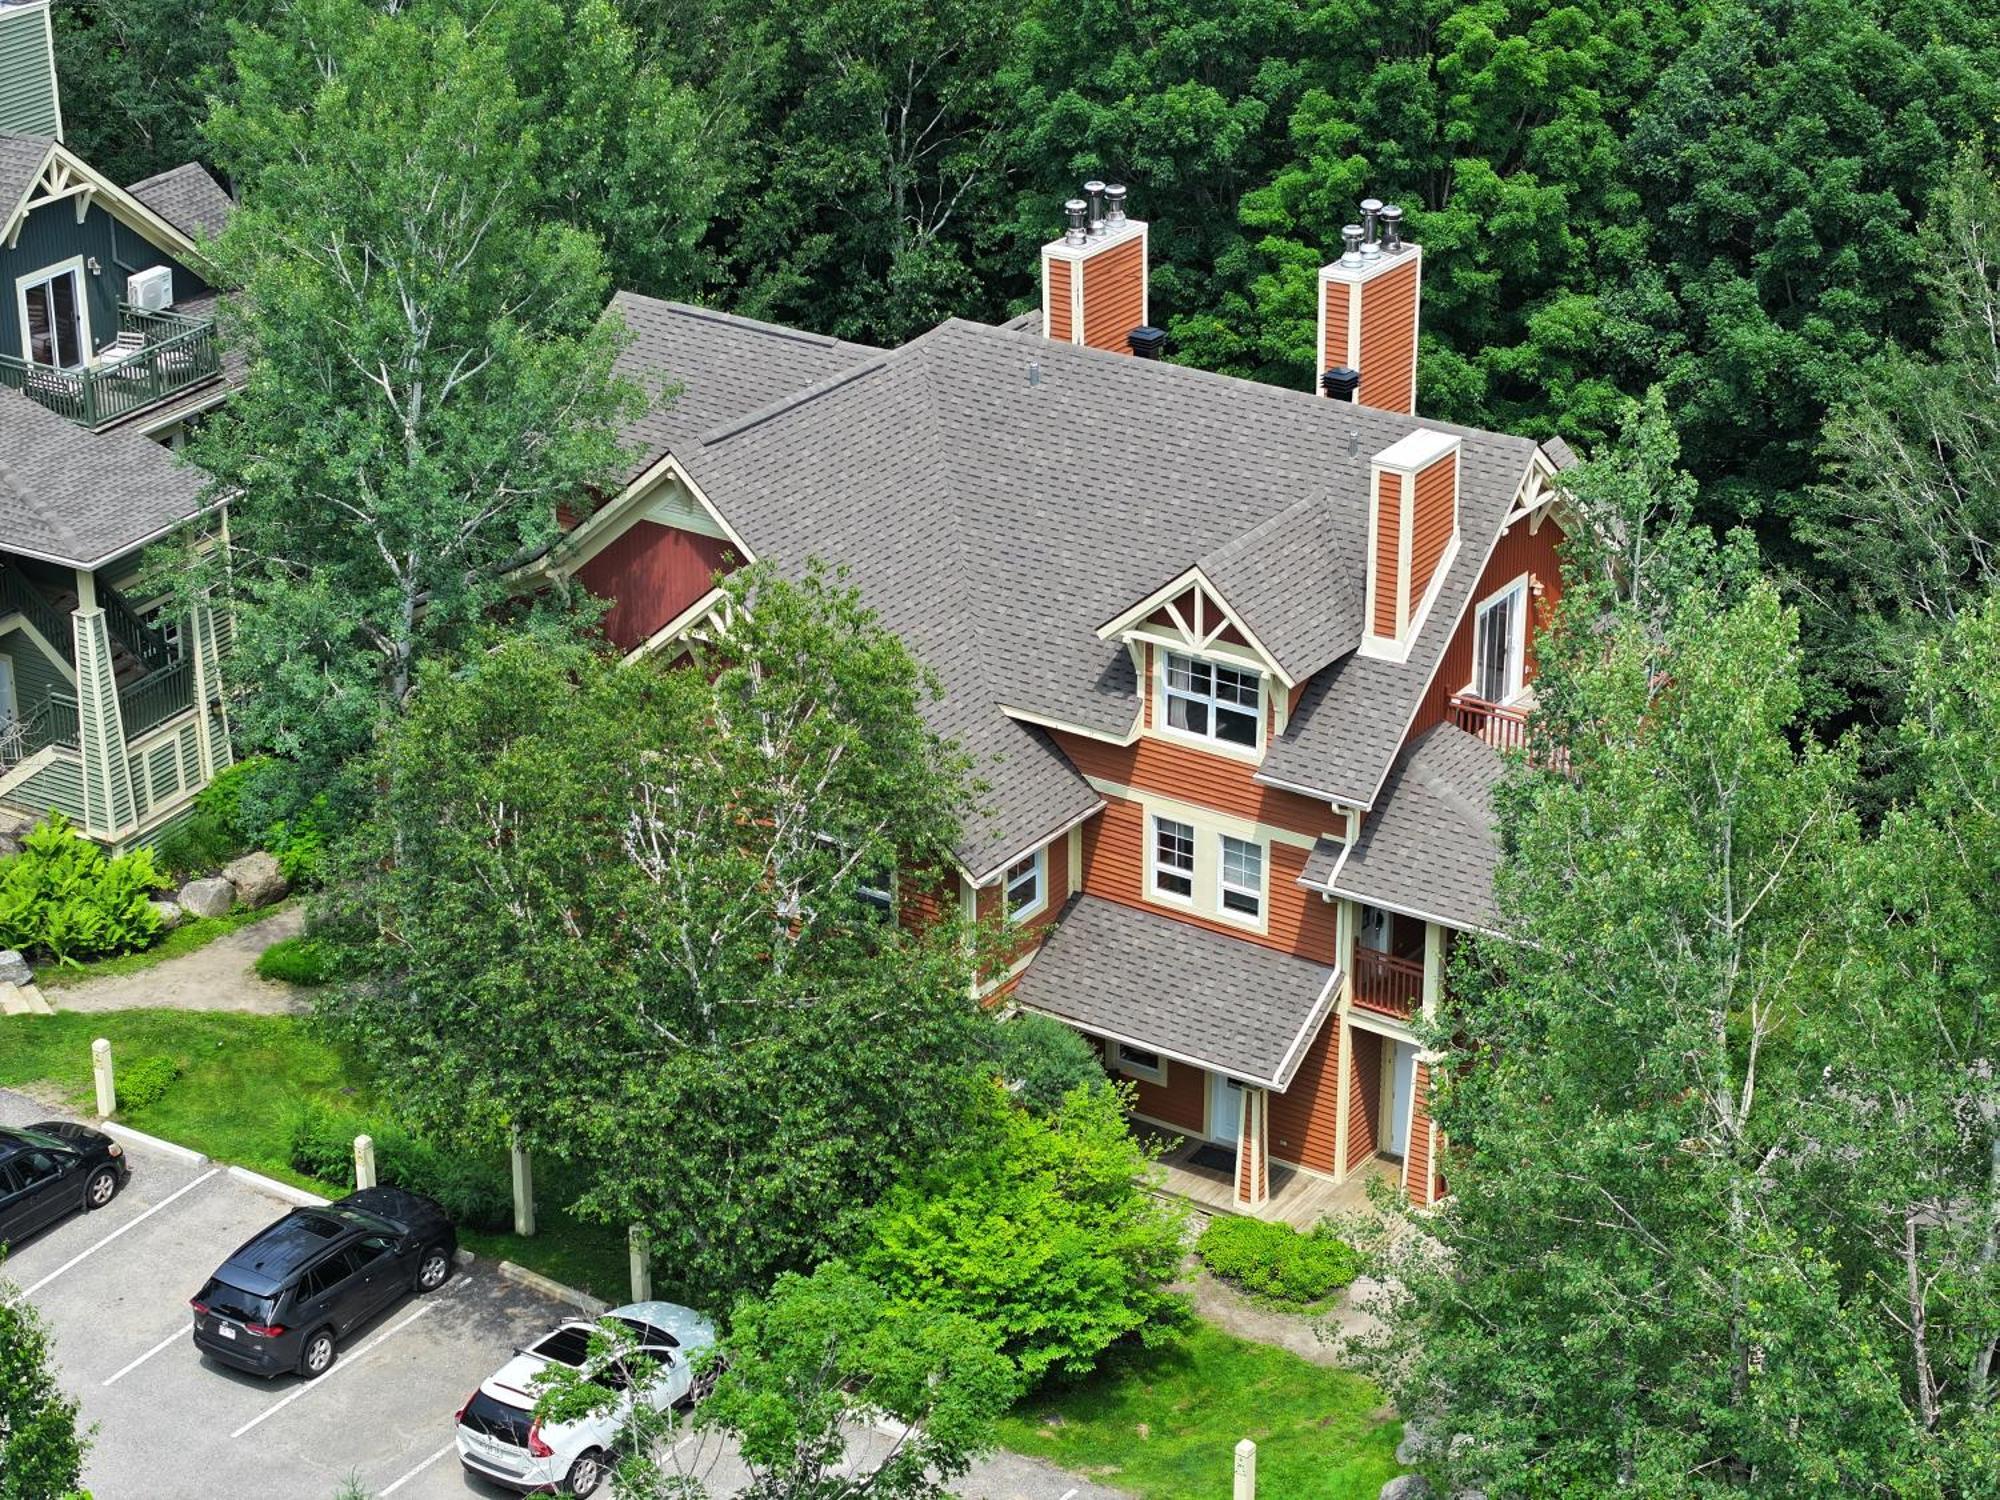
[
  {"x": 101, "y": 1189},
  {"x": 317, "y": 1356},
  {"x": 434, "y": 1269},
  {"x": 585, "y": 1474}
]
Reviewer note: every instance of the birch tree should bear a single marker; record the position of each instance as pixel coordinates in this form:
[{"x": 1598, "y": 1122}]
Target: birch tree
[{"x": 428, "y": 376}]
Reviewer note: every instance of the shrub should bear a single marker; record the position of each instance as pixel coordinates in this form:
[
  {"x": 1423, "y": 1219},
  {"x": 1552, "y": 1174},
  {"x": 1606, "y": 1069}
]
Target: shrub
[
  {"x": 296, "y": 960},
  {"x": 145, "y": 1081},
  {"x": 219, "y": 828},
  {"x": 472, "y": 1189},
  {"x": 1042, "y": 1060},
  {"x": 63, "y": 896},
  {"x": 1041, "y": 1228},
  {"x": 1276, "y": 1262}
]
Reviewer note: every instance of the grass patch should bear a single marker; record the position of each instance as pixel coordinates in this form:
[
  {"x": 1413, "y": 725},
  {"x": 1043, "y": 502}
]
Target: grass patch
[
  {"x": 1164, "y": 1423},
  {"x": 240, "y": 1082},
  {"x": 195, "y": 932},
  {"x": 296, "y": 960}
]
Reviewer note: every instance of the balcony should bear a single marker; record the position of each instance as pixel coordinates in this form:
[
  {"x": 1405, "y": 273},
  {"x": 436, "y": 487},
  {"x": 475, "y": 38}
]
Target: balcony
[
  {"x": 1500, "y": 725},
  {"x": 1388, "y": 985},
  {"x": 156, "y": 355}
]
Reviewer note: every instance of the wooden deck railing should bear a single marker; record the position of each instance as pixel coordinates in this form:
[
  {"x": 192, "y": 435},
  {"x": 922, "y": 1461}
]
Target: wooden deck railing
[
  {"x": 1386, "y": 984},
  {"x": 1502, "y": 727},
  {"x": 173, "y": 353},
  {"x": 17, "y": 595},
  {"x": 156, "y": 698}
]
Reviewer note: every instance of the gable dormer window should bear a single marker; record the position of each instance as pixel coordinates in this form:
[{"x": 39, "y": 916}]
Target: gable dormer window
[{"x": 1213, "y": 701}]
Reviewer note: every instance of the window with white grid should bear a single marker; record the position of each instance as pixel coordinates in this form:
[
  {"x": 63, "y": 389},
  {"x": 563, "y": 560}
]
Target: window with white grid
[
  {"x": 1242, "y": 877},
  {"x": 1173, "y": 858}
]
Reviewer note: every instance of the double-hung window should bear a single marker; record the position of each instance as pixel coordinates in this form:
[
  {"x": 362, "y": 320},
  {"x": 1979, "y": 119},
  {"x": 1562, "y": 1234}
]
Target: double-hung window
[
  {"x": 1211, "y": 700},
  {"x": 1027, "y": 886},
  {"x": 1242, "y": 878},
  {"x": 1173, "y": 858},
  {"x": 1138, "y": 1062}
]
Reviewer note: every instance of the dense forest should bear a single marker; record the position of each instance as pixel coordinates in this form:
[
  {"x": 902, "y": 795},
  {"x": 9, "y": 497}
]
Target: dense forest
[{"x": 1722, "y": 200}]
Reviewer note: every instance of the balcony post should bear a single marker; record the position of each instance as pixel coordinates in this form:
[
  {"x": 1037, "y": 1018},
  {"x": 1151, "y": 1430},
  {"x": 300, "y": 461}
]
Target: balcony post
[
  {"x": 213, "y": 748},
  {"x": 1343, "y": 1093},
  {"x": 1433, "y": 968},
  {"x": 108, "y": 802},
  {"x": 1253, "y": 1152}
]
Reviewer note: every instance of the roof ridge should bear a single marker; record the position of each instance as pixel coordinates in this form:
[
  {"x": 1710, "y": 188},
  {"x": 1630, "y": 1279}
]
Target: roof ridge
[
  {"x": 822, "y": 387},
  {"x": 186, "y": 166},
  {"x": 738, "y": 320},
  {"x": 1243, "y": 541},
  {"x": 1440, "y": 786}
]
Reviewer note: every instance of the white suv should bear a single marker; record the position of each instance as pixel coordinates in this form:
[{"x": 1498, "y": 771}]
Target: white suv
[{"x": 500, "y": 1439}]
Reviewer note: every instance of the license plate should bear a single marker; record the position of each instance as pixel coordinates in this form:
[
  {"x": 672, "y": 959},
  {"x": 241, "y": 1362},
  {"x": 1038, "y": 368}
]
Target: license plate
[{"x": 225, "y": 1330}]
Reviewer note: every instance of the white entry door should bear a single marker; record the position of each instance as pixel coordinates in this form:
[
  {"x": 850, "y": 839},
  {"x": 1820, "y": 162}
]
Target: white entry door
[
  {"x": 1399, "y": 1099},
  {"x": 1225, "y": 1109}
]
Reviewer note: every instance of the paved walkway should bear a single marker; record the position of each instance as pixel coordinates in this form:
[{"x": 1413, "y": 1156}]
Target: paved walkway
[{"x": 220, "y": 976}]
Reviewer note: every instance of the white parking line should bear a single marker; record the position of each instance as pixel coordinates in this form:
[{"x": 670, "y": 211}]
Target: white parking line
[
  {"x": 417, "y": 1470},
  {"x": 178, "y": 1333},
  {"x": 84, "y": 1254},
  {"x": 1070, "y": 1493},
  {"x": 346, "y": 1364}
]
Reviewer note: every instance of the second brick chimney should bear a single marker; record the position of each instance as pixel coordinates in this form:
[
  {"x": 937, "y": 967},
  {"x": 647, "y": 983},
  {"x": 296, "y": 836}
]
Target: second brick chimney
[
  {"x": 1412, "y": 534},
  {"x": 1368, "y": 301},
  {"x": 1094, "y": 279}
]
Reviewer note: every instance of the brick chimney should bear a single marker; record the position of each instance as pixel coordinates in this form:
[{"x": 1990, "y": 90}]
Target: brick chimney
[
  {"x": 1368, "y": 309},
  {"x": 1094, "y": 279},
  {"x": 1412, "y": 534}
]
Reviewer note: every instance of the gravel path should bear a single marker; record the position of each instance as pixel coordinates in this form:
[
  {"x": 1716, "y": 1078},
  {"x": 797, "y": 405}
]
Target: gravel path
[{"x": 220, "y": 976}]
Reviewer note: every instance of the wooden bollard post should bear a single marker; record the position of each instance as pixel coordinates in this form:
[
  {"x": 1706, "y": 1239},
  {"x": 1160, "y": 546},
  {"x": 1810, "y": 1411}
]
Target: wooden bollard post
[
  {"x": 100, "y": 1066},
  {"x": 1246, "y": 1470}
]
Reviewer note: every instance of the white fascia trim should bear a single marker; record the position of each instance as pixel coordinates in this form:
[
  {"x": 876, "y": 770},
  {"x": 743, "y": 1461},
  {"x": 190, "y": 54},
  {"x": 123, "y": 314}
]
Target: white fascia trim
[
  {"x": 1339, "y": 804},
  {"x": 1378, "y": 1024},
  {"x": 1485, "y": 557},
  {"x": 1126, "y": 622},
  {"x": 1420, "y": 615},
  {"x": 678, "y": 625},
  {"x": 1309, "y": 1031},
  {"x": 1333, "y": 875},
  {"x": 1204, "y": 816},
  {"x": 1045, "y": 721},
  {"x": 1456, "y": 924},
  {"x": 993, "y": 875},
  {"x": 591, "y": 537},
  {"x": 1185, "y": 1059}
]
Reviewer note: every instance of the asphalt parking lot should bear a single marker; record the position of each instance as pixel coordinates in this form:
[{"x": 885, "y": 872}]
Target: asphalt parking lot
[{"x": 113, "y": 1287}]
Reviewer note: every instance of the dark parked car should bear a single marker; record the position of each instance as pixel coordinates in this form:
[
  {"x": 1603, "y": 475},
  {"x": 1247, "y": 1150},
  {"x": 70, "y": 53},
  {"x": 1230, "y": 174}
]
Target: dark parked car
[
  {"x": 51, "y": 1170},
  {"x": 288, "y": 1295}
]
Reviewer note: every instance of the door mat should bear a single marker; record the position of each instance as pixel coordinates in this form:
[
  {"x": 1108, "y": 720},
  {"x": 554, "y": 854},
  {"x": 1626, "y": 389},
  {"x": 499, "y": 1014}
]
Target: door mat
[{"x": 1215, "y": 1158}]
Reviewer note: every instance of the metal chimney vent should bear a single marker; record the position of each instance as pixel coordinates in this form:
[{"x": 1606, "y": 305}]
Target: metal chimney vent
[
  {"x": 1114, "y": 206},
  {"x": 1078, "y": 231},
  {"x": 1094, "y": 189},
  {"x": 1350, "y": 237},
  {"x": 1392, "y": 230}
]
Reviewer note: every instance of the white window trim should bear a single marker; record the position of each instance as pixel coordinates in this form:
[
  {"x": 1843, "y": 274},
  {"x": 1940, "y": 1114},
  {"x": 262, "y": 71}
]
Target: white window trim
[
  {"x": 1131, "y": 1069},
  {"x": 1208, "y": 742},
  {"x": 1154, "y": 867},
  {"x": 1518, "y": 647},
  {"x": 1222, "y": 885},
  {"x": 1041, "y": 901},
  {"x": 74, "y": 265}
]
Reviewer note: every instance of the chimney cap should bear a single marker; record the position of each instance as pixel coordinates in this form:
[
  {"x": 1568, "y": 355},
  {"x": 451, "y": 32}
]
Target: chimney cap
[
  {"x": 1094, "y": 190},
  {"x": 1079, "y": 214},
  {"x": 1392, "y": 229},
  {"x": 1114, "y": 210},
  {"x": 1147, "y": 341},
  {"x": 1341, "y": 382},
  {"x": 1350, "y": 238}
]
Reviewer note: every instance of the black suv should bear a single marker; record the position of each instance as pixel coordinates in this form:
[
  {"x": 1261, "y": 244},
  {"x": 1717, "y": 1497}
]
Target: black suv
[
  {"x": 287, "y": 1296},
  {"x": 50, "y": 1170}
]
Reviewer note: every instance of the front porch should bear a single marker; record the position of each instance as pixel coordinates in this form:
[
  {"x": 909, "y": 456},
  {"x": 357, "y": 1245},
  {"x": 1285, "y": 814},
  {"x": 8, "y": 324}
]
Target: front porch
[{"x": 1298, "y": 1198}]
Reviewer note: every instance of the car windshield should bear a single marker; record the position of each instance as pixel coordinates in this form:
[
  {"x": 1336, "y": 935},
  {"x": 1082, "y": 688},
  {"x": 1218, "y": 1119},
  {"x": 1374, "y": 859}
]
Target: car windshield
[
  {"x": 497, "y": 1419},
  {"x": 233, "y": 1302},
  {"x": 33, "y": 1138}
]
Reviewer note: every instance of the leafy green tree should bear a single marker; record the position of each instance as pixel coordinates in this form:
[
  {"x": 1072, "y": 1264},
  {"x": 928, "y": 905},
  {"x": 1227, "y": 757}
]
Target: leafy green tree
[
  {"x": 41, "y": 1450},
  {"x": 1041, "y": 1060},
  {"x": 591, "y": 895},
  {"x": 805, "y": 1375},
  {"x": 1041, "y": 1229},
  {"x": 1906, "y": 526},
  {"x": 429, "y": 375},
  {"x": 135, "y": 75}
]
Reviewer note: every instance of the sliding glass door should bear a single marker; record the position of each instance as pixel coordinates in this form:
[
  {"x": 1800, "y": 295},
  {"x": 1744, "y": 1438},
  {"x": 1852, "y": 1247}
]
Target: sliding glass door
[{"x": 52, "y": 320}]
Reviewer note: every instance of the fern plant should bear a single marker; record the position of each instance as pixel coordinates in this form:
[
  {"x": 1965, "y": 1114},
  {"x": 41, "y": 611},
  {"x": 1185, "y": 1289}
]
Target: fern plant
[{"x": 64, "y": 896}]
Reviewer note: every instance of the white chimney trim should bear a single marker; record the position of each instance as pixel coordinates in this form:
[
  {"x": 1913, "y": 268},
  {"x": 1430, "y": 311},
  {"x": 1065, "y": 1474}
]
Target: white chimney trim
[
  {"x": 1062, "y": 250},
  {"x": 1369, "y": 269},
  {"x": 1417, "y": 450}
]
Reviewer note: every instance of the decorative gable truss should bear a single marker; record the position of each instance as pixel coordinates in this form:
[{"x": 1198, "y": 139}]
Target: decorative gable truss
[
  {"x": 1189, "y": 615},
  {"x": 66, "y": 176}
]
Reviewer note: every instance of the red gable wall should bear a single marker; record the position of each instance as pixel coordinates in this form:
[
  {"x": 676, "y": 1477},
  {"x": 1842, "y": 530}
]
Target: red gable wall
[{"x": 650, "y": 574}]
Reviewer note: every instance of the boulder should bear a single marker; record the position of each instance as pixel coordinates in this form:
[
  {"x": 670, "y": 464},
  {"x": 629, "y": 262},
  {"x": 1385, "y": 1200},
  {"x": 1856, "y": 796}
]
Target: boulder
[
  {"x": 14, "y": 968},
  {"x": 1416, "y": 1445},
  {"x": 257, "y": 879},
  {"x": 207, "y": 898},
  {"x": 1407, "y": 1487},
  {"x": 169, "y": 913}
]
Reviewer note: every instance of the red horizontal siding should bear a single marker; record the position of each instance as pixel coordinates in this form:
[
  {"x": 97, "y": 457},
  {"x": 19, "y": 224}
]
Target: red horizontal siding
[
  {"x": 1305, "y": 1117},
  {"x": 1364, "y": 1102},
  {"x": 1114, "y": 295},
  {"x": 1181, "y": 1101},
  {"x": 1516, "y": 553},
  {"x": 1434, "y": 516},
  {"x": 1389, "y": 340},
  {"x": 1214, "y": 781}
]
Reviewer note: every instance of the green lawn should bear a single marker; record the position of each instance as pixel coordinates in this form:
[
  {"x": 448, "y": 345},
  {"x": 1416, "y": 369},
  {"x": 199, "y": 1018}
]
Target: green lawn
[
  {"x": 242, "y": 1079},
  {"x": 195, "y": 932},
  {"x": 1164, "y": 1423}
]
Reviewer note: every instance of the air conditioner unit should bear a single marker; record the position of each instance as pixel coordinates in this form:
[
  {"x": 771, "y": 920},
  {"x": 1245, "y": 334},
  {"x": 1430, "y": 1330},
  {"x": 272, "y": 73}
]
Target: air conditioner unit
[{"x": 151, "y": 290}]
